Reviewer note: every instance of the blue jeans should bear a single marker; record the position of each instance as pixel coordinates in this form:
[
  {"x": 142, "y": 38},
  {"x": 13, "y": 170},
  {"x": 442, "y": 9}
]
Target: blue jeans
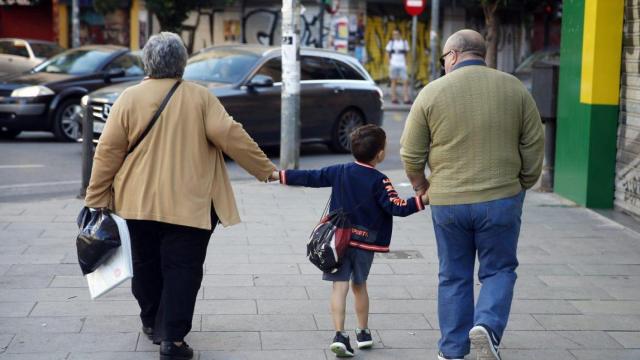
[{"x": 491, "y": 230}]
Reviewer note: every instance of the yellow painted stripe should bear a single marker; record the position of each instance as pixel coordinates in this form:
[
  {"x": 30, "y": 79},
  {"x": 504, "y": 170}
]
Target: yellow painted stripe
[
  {"x": 63, "y": 26},
  {"x": 601, "y": 52},
  {"x": 134, "y": 29}
]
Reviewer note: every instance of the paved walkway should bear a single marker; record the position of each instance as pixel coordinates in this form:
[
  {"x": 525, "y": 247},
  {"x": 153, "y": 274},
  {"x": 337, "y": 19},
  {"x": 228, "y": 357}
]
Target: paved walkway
[{"x": 578, "y": 293}]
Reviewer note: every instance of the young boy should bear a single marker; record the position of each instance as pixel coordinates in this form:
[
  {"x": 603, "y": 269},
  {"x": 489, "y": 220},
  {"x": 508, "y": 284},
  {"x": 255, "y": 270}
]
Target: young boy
[{"x": 371, "y": 201}]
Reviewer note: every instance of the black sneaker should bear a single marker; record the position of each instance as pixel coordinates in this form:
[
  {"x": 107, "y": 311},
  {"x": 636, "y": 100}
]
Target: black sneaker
[
  {"x": 170, "y": 351},
  {"x": 148, "y": 332},
  {"x": 341, "y": 346},
  {"x": 485, "y": 342},
  {"x": 363, "y": 338}
]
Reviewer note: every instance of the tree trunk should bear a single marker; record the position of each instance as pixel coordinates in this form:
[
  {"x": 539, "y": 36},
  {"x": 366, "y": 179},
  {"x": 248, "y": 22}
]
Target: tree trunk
[{"x": 493, "y": 23}]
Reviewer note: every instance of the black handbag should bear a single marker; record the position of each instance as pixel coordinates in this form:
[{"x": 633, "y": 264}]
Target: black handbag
[{"x": 99, "y": 238}]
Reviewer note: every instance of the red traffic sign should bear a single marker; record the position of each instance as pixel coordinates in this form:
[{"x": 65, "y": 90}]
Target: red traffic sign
[{"x": 414, "y": 7}]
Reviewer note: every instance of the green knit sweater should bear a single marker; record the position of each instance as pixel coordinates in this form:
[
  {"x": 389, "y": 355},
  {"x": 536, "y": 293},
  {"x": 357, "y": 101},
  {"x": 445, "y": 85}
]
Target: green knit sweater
[{"x": 479, "y": 131}]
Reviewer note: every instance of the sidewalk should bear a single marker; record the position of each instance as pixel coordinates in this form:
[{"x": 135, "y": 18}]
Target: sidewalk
[{"x": 578, "y": 293}]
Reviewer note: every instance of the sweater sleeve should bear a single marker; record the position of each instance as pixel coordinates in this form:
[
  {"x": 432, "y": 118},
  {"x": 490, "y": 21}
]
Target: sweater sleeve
[
  {"x": 308, "y": 178},
  {"x": 392, "y": 204},
  {"x": 416, "y": 137},
  {"x": 531, "y": 143}
]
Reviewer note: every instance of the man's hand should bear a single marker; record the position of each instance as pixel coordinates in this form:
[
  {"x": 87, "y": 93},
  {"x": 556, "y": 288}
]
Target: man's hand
[
  {"x": 425, "y": 199},
  {"x": 419, "y": 182},
  {"x": 275, "y": 176}
]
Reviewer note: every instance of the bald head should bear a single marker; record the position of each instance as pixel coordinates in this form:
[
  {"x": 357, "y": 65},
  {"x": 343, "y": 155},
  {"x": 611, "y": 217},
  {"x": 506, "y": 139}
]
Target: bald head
[{"x": 466, "y": 41}]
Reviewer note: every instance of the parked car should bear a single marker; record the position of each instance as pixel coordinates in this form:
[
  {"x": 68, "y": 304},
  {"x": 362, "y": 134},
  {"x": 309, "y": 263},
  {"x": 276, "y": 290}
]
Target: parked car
[
  {"x": 523, "y": 71},
  {"x": 20, "y": 55},
  {"x": 337, "y": 93},
  {"x": 47, "y": 98}
]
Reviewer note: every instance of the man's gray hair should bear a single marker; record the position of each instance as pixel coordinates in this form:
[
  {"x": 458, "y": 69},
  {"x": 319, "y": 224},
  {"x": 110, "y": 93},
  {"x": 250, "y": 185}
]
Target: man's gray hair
[
  {"x": 164, "y": 56},
  {"x": 468, "y": 41}
]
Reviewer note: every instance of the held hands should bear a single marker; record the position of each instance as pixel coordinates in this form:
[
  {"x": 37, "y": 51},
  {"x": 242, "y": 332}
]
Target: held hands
[{"x": 275, "y": 176}]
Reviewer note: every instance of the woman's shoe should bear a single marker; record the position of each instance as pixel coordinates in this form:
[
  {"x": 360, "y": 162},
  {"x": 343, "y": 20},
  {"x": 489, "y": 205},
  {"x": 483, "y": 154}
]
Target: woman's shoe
[{"x": 170, "y": 351}]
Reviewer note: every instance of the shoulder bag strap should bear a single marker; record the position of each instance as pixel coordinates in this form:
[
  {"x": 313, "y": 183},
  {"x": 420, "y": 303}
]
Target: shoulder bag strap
[{"x": 155, "y": 117}]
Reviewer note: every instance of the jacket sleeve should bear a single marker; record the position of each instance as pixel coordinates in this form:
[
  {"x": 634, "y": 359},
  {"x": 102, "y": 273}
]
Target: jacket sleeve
[
  {"x": 415, "y": 142},
  {"x": 531, "y": 143},
  {"x": 308, "y": 178},
  {"x": 109, "y": 156},
  {"x": 229, "y": 136},
  {"x": 389, "y": 200}
]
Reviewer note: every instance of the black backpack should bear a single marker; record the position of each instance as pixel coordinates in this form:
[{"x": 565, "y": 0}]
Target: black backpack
[{"x": 329, "y": 240}]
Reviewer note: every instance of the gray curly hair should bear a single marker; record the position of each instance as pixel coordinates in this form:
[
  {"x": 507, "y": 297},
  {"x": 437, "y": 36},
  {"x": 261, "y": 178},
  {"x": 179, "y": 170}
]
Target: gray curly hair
[{"x": 164, "y": 56}]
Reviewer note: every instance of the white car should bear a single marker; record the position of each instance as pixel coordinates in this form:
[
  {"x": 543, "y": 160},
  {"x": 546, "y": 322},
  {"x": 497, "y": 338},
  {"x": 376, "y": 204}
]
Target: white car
[{"x": 20, "y": 55}]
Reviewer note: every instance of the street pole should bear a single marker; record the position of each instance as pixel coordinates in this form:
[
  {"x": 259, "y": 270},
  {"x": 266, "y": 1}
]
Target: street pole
[
  {"x": 321, "y": 26},
  {"x": 87, "y": 149},
  {"x": 414, "y": 66},
  {"x": 433, "y": 39},
  {"x": 75, "y": 24},
  {"x": 290, "y": 105}
]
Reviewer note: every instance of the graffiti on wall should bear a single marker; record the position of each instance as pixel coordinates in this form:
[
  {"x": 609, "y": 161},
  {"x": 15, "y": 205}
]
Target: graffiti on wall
[
  {"x": 378, "y": 33},
  {"x": 262, "y": 26}
]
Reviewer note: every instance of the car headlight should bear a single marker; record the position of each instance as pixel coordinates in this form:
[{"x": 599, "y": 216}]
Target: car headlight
[
  {"x": 84, "y": 101},
  {"x": 31, "y": 91}
]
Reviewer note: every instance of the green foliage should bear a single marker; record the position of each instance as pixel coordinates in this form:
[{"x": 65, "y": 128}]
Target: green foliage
[{"x": 108, "y": 6}]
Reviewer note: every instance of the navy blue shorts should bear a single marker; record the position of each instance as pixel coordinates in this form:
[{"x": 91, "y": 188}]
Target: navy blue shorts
[{"x": 355, "y": 267}]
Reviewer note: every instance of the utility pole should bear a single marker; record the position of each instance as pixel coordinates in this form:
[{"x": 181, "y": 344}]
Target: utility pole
[
  {"x": 414, "y": 67},
  {"x": 290, "y": 106},
  {"x": 75, "y": 24},
  {"x": 433, "y": 42},
  {"x": 321, "y": 26}
]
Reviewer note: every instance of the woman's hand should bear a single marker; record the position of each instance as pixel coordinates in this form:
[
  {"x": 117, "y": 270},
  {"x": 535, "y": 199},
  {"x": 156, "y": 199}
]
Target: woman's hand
[{"x": 275, "y": 176}]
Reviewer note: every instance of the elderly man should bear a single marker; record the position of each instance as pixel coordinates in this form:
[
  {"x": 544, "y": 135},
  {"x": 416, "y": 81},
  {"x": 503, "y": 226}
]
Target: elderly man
[{"x": 479, "y": 131}]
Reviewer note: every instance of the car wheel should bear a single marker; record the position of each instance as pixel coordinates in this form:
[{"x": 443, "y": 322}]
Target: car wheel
[
  {"x": 8, "y": 134},
  {"x": 348, "y": 121},
  {"x": 67, "y": 124}
]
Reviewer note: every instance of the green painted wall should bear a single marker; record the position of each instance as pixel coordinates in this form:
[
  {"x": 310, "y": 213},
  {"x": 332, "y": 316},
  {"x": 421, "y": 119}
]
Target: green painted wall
[{"x": 586, "y": 134}]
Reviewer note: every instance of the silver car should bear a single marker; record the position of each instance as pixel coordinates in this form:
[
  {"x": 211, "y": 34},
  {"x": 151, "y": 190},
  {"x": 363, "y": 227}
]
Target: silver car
[{"x": 20, "y": 55}]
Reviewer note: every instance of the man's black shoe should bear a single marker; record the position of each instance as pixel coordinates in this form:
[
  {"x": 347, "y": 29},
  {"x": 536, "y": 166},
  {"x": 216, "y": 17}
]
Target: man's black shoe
[
  {"x": 148, "y": 332},
  {"x": 341, "y": 346},
  {"x": 170, "y": 351}
]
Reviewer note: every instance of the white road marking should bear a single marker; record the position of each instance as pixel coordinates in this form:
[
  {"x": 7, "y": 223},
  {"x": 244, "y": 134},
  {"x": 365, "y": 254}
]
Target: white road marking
[
  {"x": 28, "y": 185},
  {"x": 21, "y": 166}
]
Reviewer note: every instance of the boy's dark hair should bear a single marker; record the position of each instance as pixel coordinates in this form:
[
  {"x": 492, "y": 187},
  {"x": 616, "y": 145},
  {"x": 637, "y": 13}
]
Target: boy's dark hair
[{"x": 367, "y": 141}]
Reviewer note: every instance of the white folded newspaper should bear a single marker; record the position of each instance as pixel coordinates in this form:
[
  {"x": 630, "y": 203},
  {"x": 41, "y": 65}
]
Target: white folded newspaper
[{"x": 119, "y": 267}]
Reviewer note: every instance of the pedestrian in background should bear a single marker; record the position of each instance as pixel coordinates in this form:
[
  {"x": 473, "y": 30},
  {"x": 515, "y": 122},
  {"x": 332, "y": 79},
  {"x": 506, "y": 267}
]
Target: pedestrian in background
[
  {"x": 397, "y": 48},
  {"x": 480, "y": 133},
  {"x": 173, "y": 189}
]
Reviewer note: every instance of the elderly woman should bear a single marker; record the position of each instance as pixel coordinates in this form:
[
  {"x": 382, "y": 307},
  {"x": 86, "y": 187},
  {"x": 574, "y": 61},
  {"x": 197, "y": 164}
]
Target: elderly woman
[{"x": 172, "y": 187}]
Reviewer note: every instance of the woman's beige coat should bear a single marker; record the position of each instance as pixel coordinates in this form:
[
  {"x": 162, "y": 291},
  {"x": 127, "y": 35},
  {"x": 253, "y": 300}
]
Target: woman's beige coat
[{"x": 178, "y": 171}]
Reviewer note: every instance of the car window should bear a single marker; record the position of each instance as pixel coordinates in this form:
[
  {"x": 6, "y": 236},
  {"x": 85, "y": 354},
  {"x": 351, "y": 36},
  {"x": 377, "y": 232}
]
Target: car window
[
  {"x": 318, "y": 68},
  {"x": 221, "y": 66},
  {"x": 131, "y": 64},
  {"x": 45, "y": 51},
  {"x": 17, "y": 48},
  {"x": 272, "y": 68},
  {"x": 347, "y": 71},
  {"x": 75, "y": 61}
]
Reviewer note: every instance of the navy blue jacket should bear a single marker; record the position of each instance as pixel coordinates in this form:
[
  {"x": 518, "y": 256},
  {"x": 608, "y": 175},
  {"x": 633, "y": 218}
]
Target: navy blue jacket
[{"x": 363, "y": 192}]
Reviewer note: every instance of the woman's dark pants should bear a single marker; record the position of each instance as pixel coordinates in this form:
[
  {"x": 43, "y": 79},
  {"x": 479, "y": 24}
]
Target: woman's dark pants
[{"x": 167, "y": 273}]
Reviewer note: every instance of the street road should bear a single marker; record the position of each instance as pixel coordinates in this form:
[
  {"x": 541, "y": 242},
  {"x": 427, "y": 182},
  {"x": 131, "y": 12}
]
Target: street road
[{"x": 34, "y": 166}]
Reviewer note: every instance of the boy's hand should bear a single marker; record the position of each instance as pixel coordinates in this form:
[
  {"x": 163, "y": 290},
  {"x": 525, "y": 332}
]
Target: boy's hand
[
  {"x": 425, "y": 198},
  {"x": 275, "y": 176}
]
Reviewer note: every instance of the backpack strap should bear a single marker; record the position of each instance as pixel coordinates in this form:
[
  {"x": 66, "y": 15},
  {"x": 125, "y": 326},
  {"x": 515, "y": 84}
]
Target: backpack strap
[{"x": 155, "y": 117}]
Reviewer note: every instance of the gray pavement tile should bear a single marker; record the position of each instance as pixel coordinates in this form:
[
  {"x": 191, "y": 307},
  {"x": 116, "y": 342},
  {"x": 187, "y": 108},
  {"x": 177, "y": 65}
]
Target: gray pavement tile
[
  {"x": 121, "y": 323},
  {"x": 20, "y": 237},
  {"x": 263, "y": 355},
  {"x": 42, "y": 225},
  {"x": 24, "y": 218},
  {"x": 150, "y": 355},
  {"x": 545, "y": 269},
  {"x": 386, "y": 354},
  {"x": 255, "y": 249},
  {"x": 378, "y": 321},
  {"x": 409, "y": 339},
  {"x": 31, "y": 259},
  {"x": 44, "y": 269},
  {"x": 537, "y": 354},
  {"x": 15, "y": 309},
  {"x": 376, "y": 269},
  {"x": 228, "y": 280},
  {"x": 215, "y": 258},
  {"x": 609, "y": 269},
  {"x": 562, "y": 293},
  {"x": 624, "y": 293},
  {"x": 5, "y": 340},
  {"x": 290, "y": 280},
  {"x": 558, "y": 340},
  {"x": 84, "y": 308},
  {"x": 284, "y": 307},
  {"x": 214, "y": 307},
  {"x": 47, "y": 294},
  {"x": 13, "y": 209},
  {"x": 24, "y": 282},
  {"x": 516, "y": 322},
  {"x": 520, "y": 306},
  {"x": 206, "y": 341},
  {"x": 12, "y": 249},
  {"x": 21, "y": 325},
  {"x": 423, "y": 292},
  {"x": 68, "y": 281},
  {"x": 296, "y": 340},
  {"x": 628, "y": 339},
  {"x": 61, "y": 355},
  {"x": 4, "y": 268},
  {"x": 606, "y": 354},
  {"x": 278, "y": 259},
  {"x": 239, "y": 269},
  {"x": 47, "y": 249},
  {"x": 375, "y": 292},
  {"x": 258, "y": 322},
  {"x": 617, "y": 307},
  {"x": 589, "y": 322},
  {"x": 44, "y": 343},
  {"x": 254, "y": 292}
]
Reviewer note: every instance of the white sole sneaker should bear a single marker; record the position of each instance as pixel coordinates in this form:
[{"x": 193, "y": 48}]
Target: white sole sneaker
[
  {"x": 444, "y": 358},
  {"x": 481, "y": 342},
  {"x": 364, "y": 344},
  {"x": 340, "y": 350}
]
